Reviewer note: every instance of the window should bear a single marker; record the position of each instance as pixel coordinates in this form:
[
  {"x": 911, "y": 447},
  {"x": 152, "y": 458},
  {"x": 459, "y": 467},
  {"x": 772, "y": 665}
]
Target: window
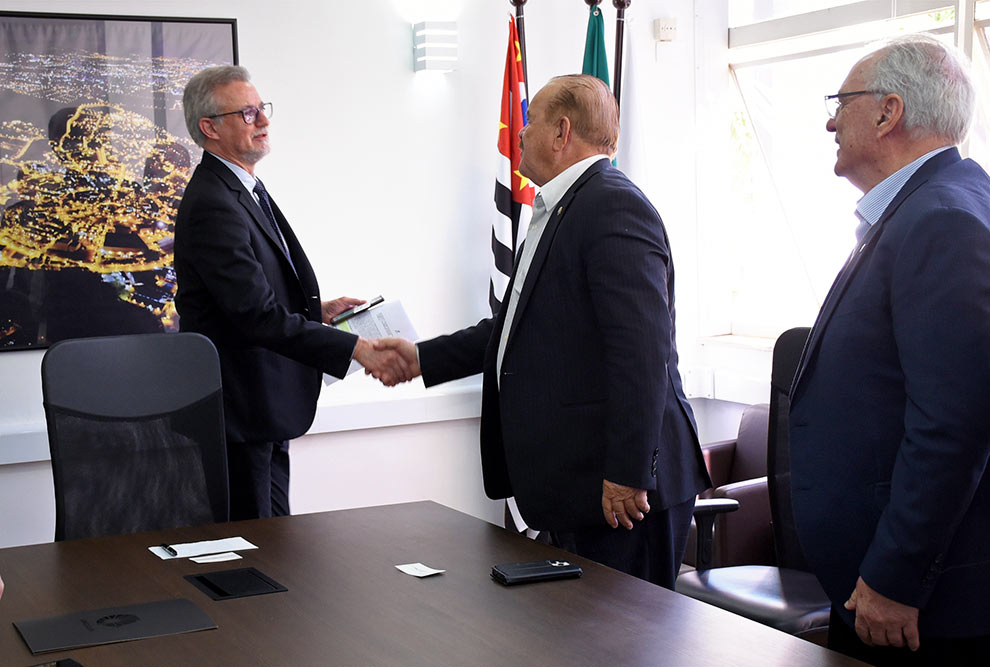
[{"x": 790, "y": 222}]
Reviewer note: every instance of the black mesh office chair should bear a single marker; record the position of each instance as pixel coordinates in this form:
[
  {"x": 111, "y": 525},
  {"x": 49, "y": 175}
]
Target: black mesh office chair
[
  {"x": 135, "y": 428},
  {"x": 786, "y": 596}
]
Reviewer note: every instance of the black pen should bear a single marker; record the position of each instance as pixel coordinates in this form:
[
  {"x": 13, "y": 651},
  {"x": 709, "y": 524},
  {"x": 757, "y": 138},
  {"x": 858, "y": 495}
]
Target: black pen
[{"x": 169, "y": 550}]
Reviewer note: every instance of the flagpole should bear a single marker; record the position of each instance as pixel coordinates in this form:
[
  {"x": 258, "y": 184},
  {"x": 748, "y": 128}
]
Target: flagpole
[
  {"x": 620, "y": 25},
  {"x": 521, "y": 29}
]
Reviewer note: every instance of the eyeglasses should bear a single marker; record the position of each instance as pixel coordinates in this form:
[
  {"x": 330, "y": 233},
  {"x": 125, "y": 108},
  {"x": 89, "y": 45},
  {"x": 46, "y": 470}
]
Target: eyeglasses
[
  {"x": 249, "y": 114},
  {"x": 833, "y": 103}
]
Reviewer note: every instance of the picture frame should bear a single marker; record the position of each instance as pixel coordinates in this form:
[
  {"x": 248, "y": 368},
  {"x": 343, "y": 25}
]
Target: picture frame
[{"x": 94, "y": 159}]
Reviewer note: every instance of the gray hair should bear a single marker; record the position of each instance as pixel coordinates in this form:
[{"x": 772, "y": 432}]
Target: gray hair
[
  {"x": 934, "y": 82},
  {"x": 199, "y": 97}
]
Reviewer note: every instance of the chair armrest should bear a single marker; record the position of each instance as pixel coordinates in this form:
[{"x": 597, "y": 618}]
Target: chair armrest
[
  {"x": 705, "y": 511},
  {"x": 718, "y": 459},
  {"x": 704, "y": 507},
  {"x": 745, "y": 538}
]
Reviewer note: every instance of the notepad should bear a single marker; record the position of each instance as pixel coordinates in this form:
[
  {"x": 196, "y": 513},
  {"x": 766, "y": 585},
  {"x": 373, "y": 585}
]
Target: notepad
[{"x": 240, "y": 583}]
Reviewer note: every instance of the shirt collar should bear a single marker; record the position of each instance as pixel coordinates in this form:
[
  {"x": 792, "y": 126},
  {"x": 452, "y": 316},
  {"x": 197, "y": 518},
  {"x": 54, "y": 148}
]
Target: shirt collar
[
  {"x": 556, "y": 187},
  {"x": 240, "y": 172},
  {"x": 875, "y": 202}
]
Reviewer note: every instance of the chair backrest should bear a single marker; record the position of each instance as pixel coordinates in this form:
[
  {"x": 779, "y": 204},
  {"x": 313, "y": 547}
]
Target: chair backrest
[
  {"x": 135, "y": 428},
  {"x": 786, "y": 356},
  {"x": 750, "y": 459}
]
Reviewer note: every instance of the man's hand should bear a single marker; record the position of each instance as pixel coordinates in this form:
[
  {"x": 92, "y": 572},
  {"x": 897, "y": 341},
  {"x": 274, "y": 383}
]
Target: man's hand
[
  {"x": 332, "y": 309},
  {"x": 405, "y": 349},
  {"x": 881, "y": 621},
  {"x": 619, "y": 503},
  {"x": 386, "y": 365}
]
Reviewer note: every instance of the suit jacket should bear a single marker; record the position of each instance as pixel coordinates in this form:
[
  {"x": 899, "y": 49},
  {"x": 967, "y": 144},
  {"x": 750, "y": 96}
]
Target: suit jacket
[
  {"x": 589, "y": 383},
  {"x": 890, "y": 414},
  {"x": 237, "y": 287}
]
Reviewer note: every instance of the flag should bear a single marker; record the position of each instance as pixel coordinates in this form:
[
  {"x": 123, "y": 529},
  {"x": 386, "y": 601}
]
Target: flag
[
  {"x": 513, "y": 192},
  {"x": 595, "y": 60},
  {"x": 631, "y": 155}
]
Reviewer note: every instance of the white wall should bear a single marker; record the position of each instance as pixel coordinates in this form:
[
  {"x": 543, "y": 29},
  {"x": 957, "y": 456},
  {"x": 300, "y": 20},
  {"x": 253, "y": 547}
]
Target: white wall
[{"x": 387, "y": 178}]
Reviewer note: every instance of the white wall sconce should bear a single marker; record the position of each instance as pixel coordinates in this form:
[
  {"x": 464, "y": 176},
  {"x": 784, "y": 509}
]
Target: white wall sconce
[{"x": 435, "y": 44}]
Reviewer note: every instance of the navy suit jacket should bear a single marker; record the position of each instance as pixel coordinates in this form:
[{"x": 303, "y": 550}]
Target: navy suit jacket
[
  {"x": 890, "y": 414},
  {"x": 589, "y": 386},
  {"x": 237, "y": 287}
]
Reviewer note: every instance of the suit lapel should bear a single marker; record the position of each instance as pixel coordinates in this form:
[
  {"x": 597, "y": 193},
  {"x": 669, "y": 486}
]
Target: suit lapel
[
  {"x": 862, "y": 250},
  {"x": 245, "y": 199},
  {"x": 546, "y": 241},
  {"x": 306, "y": 280}
]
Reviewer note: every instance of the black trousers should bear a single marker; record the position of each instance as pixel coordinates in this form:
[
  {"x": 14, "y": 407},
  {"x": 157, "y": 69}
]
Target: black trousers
[
  {"x": 934, "y": 651},
  {"x": 652, "y": 550},
  {"x": 258, "y": 474}
]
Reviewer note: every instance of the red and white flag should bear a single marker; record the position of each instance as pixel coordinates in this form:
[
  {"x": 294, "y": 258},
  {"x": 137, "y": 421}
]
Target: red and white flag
[{"x": 513, "y": 192}]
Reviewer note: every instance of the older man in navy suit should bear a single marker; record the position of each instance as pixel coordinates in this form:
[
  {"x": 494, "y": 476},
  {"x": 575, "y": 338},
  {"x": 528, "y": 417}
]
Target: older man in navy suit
[
  {"x": 245, "y": 282},
  {"x": 890, "y": 414},
  {"x": 583, "y": 418}
]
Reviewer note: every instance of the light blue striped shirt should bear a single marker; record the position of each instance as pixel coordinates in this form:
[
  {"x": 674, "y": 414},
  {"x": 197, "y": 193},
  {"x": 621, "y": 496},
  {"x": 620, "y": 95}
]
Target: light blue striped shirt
[{"x": 875, "y": 202}]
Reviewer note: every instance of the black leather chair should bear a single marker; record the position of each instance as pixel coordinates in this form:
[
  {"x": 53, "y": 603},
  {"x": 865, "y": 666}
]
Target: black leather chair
[
  {"x": 135, "y": 428},
  {"x": 738, "y": 469},
  {"x": 784, "y": 596}
]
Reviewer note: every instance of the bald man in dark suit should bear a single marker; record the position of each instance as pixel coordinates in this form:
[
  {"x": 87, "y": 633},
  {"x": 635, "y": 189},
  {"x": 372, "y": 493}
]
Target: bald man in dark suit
[{"x": 584, "y": 419}]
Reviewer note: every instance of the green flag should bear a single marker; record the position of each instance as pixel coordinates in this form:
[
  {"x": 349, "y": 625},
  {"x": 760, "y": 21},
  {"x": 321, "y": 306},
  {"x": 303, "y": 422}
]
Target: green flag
[{"x": 595, "y": 61}]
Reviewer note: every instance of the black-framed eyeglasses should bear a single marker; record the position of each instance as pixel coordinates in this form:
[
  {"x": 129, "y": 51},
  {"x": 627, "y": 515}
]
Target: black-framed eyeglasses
[
  {"x": 249, "y": 114},
  {"x": 833, "y": 103}
]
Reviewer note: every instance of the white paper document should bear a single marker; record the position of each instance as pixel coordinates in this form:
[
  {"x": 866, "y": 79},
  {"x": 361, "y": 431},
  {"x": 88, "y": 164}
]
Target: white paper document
[
  {"x": 418, "y": 570},
  {"x": 385, "y": 321},
  {"x": 216, "y": 558},
  {"x": 190, "y": 549}
]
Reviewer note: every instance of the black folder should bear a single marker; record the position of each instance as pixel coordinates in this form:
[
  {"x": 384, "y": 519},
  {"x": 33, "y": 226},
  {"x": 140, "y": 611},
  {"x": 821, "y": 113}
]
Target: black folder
[{"x": 113, "y": 624}]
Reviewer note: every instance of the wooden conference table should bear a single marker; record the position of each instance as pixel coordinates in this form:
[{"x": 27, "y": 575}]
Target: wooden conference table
[{"x": 348, "y": 605}]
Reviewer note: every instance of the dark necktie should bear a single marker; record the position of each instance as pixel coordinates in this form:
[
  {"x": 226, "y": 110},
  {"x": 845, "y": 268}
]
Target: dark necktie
[{"x": 266, "y": 207}]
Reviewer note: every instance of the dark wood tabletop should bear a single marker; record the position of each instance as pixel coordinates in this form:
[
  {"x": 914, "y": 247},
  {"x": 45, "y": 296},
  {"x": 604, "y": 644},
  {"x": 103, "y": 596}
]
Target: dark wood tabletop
[{"x": 347, "y": 604}]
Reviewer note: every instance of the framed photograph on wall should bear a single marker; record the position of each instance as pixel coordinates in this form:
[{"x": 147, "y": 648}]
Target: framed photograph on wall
[{"x": 94, "y": 159}]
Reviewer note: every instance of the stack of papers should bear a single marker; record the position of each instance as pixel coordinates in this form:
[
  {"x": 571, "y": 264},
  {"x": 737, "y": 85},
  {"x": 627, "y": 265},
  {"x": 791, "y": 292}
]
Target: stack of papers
[{"x": 219, "y": 550}]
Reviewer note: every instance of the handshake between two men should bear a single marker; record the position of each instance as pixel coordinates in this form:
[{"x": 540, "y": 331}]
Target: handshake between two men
[{"x": 392, "y": 361}]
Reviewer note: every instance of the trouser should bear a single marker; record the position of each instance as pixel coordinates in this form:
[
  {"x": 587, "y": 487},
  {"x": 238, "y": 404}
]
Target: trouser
[
  {"x": 652, "y": 550},
  {"x": 258, "y": 474}
]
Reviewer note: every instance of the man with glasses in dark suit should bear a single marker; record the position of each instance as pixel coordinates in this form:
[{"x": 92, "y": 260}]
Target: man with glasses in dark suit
[
  {"x": 890, "y": 409},
  {"x": 245, "y": 282}
]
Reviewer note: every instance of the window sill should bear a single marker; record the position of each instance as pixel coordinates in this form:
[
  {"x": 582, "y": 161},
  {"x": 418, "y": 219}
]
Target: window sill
[
  {"x": 360, "y": 403},
  {"x": 731, "y": 368}
]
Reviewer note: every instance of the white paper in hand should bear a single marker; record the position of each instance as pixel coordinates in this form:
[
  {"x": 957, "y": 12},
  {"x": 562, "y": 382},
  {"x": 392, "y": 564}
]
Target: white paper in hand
[{"x": 388, "y": 320}]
